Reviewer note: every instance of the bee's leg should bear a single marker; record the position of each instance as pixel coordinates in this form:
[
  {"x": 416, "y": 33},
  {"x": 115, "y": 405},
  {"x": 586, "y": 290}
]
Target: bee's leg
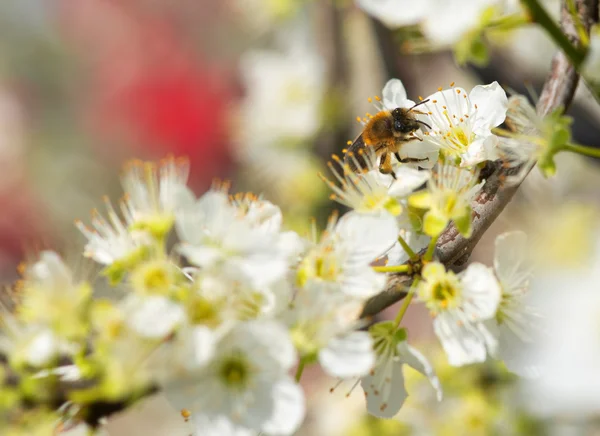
[
  {"x": 385, "y": 165},
  {"x": 409, "y": 159}
]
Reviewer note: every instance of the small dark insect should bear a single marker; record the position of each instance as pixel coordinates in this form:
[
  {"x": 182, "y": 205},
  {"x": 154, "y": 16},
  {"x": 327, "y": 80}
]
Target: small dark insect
[{"x": 385, "y": 133}]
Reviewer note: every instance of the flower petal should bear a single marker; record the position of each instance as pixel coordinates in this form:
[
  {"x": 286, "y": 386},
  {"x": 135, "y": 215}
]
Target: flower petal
[
  {"x": 366, "y": 237},
  {"x": 407, "y": 180},
  {"x": 348, "y": 356},
  {"x": 510, "y": 259},
  {"x": 461, "y": 342},
  {"x": 289, "y": 408},
  {"x": 434, "y": 223},
  {"x": 481, "y": 292},
  {"x": 394, "y": 95},
  {"x": 384, "y": 389},
  {"x": 153, "y": 316},
  {"x": 417, "y": 361},
  {"x": 491, "y": 103}
]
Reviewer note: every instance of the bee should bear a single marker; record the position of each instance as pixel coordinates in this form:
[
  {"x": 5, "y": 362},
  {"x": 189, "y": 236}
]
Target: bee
[{"x": 385, "y": 133}]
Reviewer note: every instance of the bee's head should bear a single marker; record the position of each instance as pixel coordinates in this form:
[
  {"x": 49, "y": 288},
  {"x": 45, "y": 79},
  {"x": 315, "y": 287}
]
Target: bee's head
[{"x": 404, "y": 121}]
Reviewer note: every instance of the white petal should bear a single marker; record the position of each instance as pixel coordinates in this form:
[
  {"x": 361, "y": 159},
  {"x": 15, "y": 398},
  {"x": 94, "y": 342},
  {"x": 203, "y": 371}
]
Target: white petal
[
  {"x": 348, "y": 356},
  {"x": 154, "y": 316},
  {"x": 395, "y": 13},
  {"x": 289, "y": 408},
  {"x": 462, "y": 343},
  {"x": 218, "y": 425},
  {"x": 407, "y": 181},
  {"x": 416, "y": 360},
  {"x": 481, "y": 292},
  {"x": 203, "y": 341},
  {"x": 477, "y": 152},
  {"x": 449, "y": 20},
  {"x": 367, "y": 237},
  {"x": 510, "y": 259},
  {"x": 394, "y": 95},
  {"x": 492, "y": 104},
  {"x": 384, "y": 389},
  {"x": 41, "y": 349},
  {"x": 420, "y": 150},
  {"x": 362, "y": 282},
  {"x": 202, "y": 256},
  {"x": 267, "y": 340},
  {"x": 454, "y": 103}
]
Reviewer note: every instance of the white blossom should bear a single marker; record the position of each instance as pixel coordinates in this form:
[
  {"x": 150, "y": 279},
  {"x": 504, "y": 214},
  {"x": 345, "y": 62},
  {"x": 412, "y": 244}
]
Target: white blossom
[
  {"x": 462, "y": 123},
  {"x": 237, "y": 241},
  {"x": 515, "y": 321},
  {"x": 344, "y": 254},
  {"x": 323, "y": 325},
  {"x": 245, "y": 386},
  {"x": 153, "y": 316},
  {"x": 459, "y": 304},
  {"x": 384, "y": 385},
  {"x": 448, "y": 198},
  {"x": 371, "y": 191}
]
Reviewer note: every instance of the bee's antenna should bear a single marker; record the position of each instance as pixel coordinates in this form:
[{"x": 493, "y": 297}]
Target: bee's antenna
[
  {"x": 418, "y": 104},
  {"x": 424, "y": 123}
]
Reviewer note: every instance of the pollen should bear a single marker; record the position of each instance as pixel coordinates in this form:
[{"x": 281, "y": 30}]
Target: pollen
[
  {"x": 358, "y": 119},
  {"x": 458, "y": 91},
  {"x": 377, "y": 98},
  {"x": 420, "y": 98},
  {"x": 370, "y": 100},
  {"x": 348, "y": 142},
  {"x": 434, "y": 101},
  {"x": 452, "y": 84},
  {"x": 440, "y": 88},
  {"x": 185, "y": 414}
]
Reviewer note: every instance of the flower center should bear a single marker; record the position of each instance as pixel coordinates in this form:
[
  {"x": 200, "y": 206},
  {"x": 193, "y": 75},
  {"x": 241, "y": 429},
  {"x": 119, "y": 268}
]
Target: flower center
[
  {"x": 459, "y": 139},
  {"x": 235, "y": 371},
  {"x": 320, "y": 265},
  {"x": 205, "y": 312}
]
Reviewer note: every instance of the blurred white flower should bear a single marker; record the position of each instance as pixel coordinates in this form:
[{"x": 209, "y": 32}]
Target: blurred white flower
[
  {"x": 323, "y": 326},
  {"x": 343, "y": 256},
  {"x": 244, "y": 242},
  {"x": 443, "y": 22},
  {"x": 397, "y": 13},
  {"x": 449, "y": 20},
  {"x": 153, "y": 316},
  {"x": 567, "y": 353},
  {"x": 515, "y": 322},
  {"x": 448, "y": 198},
  {"x": 384, "y": 385},
  {"x": 371, "y": 191},
  {"x": 245, "y": 386},
  {"x": 462, "y": 124},
  {"x": 283, "y": 95},
  {"x": 459, "y": 304},
  {"x": 151, "y": 196}
]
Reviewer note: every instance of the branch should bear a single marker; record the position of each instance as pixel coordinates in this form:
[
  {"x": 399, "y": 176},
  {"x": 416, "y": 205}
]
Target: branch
[{"x": 453, "y": 249}]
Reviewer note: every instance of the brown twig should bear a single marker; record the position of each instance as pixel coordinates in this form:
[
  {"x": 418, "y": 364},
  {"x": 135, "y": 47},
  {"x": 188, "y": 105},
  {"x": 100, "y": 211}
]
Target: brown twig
[{"x": 453, "y": 249}]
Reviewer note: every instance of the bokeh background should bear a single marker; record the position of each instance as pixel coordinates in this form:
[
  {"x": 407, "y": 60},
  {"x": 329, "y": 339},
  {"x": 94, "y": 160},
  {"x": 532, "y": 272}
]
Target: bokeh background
[{"x": 262, "y": 92}]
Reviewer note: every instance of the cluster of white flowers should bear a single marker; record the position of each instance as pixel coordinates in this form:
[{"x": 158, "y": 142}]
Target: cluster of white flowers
[{"x": 219, "y": 320}]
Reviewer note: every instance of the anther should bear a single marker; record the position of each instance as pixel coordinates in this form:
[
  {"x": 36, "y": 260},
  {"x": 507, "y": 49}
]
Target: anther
[{"x": 452, "y": 84}]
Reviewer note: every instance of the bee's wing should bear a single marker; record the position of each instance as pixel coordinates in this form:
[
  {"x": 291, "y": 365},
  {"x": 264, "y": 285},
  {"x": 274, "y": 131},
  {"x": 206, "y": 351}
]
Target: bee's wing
[{"x": 355, "y": 155}]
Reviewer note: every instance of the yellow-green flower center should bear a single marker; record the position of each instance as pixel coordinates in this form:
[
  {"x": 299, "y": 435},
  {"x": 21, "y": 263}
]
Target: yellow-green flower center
[{"x": 235, "y": 371}]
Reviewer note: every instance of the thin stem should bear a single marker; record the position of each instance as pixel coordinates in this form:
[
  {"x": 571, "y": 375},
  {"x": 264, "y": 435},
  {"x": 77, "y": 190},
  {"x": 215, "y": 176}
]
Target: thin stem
[
  {"x": 585, "y": 150},
  {"x": 411, "y": 254},
  {"x": 406, "y": 302},
  {"x": 540, "y": 16},
  {"x": 394, "y": 269},
  {"x": 430, "y": 249},
  {"x": 300, "y": 369}
]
